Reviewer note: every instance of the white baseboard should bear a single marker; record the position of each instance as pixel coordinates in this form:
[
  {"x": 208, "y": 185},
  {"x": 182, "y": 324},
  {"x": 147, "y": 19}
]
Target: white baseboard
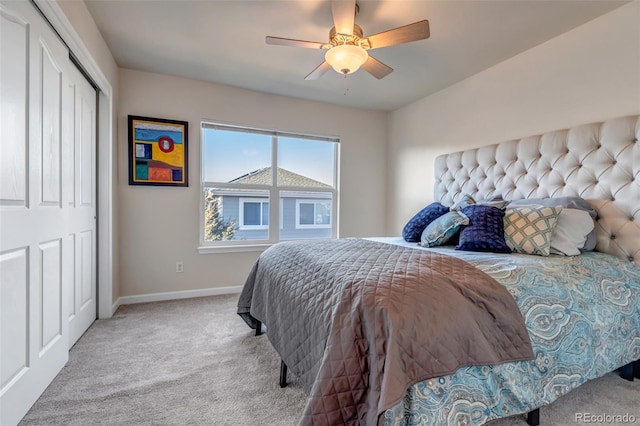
[
  {"x": 115, "y": 306},
  {"x": 174, "y": 295}
]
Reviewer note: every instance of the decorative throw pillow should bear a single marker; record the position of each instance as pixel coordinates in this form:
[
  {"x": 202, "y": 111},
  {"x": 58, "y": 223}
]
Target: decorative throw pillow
[
  {"x": 528, "y": 229},
  {"x": 466, "y": 200},
  {"x": 485, "y": 231},
  {"x": 442, "y": 229},
  {"x": 413, "y": 229},
  {"x": 566, "y": 202},
  {"x": 495, "y": 201},
  {"x": 571, "y": 232}
]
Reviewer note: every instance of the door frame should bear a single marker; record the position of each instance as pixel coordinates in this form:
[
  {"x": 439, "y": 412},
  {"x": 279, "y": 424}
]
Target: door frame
[{"x": 105, "y": 153}]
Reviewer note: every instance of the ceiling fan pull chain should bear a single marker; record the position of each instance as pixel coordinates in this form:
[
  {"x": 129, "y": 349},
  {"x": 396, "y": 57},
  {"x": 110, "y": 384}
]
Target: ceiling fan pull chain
[{"x": 346, "y": 84}]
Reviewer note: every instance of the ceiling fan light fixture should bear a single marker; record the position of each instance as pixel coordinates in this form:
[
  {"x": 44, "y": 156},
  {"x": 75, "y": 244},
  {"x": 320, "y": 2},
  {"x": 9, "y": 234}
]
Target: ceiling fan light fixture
[{"x": 346, "y": 58}]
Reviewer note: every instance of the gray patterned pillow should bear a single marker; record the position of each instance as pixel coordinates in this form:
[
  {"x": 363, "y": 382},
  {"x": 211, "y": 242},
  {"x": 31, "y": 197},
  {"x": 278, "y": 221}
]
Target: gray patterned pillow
[
  {"x": 528, "y": 229},
  {"x": 466, "y": 200},
  {"x": 495, "y": 201}
]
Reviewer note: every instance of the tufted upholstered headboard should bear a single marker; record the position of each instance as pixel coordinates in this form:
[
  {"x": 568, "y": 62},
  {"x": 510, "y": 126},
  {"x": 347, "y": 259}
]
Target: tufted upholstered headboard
[{"x": 599, "y": 162}]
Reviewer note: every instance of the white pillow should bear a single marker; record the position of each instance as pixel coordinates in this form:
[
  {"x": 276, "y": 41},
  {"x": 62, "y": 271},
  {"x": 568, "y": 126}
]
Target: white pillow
[{"x": 571, "y": 232}]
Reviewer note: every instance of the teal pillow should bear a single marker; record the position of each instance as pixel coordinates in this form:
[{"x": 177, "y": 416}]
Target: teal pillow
[{"x": 443, "y": 229}]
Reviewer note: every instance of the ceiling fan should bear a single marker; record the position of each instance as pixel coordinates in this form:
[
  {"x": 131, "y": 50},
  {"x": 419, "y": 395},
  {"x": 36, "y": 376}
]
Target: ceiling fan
[{"x": 347, "y": 47}]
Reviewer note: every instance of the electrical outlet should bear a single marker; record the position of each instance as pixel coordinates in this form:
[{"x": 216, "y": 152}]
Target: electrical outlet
[{"x": 179, "y": 267}]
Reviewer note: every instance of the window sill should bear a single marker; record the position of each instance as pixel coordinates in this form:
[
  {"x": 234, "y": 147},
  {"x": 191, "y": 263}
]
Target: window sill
[{"x": 234, "y": 248}]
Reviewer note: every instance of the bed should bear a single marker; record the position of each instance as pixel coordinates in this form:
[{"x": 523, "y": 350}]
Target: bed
[{"x": 581, "y": 312}]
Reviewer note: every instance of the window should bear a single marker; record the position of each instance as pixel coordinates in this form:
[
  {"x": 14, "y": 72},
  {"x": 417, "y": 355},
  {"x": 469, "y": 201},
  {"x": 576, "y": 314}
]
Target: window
[
  {"x": 254, "y": 213},
  {"x": 251, "y": 175},
  {"x": 313, "y": 214}
]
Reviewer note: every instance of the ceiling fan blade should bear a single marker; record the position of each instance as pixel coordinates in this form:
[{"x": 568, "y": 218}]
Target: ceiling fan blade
[
  {"x": 279, "y": 41},
  {"x": 412, "y": 32},
  {"x": 376, "y": 68},
  {"x": 319, "y": 71},
  {"x": 344, "y": 15}
]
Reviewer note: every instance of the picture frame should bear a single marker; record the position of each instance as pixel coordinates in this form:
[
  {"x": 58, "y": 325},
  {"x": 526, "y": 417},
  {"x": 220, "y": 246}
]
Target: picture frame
[{"x": 158, "y": 151}]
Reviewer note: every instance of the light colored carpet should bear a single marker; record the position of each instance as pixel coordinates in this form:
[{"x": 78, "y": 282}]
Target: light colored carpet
[{"x": 194, "y": 362}]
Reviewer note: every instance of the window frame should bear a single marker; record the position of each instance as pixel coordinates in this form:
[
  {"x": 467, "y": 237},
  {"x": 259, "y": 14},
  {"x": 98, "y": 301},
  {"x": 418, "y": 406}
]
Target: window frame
[{"x": 273, "y": 190}]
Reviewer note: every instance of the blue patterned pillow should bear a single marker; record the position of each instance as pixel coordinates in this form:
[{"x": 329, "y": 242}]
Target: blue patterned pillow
[
  {"x": 485, "y": 231},
  {"x": 413, "y": 229},
  {"x": 442, "y": 229}
]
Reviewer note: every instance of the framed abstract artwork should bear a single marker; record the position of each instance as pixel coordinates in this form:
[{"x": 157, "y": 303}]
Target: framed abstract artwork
[{"x": 158, "y": 153}]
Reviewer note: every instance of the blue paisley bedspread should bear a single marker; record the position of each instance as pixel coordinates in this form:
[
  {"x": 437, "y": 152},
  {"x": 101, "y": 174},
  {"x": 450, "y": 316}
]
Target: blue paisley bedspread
[{"x": 583, "y": 317}]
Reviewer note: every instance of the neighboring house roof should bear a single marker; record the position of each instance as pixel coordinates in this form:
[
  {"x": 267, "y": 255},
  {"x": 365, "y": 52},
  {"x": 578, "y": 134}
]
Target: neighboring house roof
[{"x": 285, "y": 178}]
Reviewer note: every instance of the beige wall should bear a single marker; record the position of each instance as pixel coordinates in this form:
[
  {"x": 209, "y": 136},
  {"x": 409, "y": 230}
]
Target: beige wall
[
  {"x": 588, "y": 74},
  {"x": 160, "y": 225},
  {"x": 83, "y": 23}
]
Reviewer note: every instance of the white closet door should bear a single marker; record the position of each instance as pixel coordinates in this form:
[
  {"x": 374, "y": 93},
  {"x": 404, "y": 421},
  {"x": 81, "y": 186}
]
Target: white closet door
[
  {"x": 39, "y": 227},
  {"x": 80, "y": 176}
]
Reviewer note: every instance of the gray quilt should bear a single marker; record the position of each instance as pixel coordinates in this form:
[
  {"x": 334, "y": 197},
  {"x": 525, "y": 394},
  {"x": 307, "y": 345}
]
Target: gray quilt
[{"x": 360, "y": 321}]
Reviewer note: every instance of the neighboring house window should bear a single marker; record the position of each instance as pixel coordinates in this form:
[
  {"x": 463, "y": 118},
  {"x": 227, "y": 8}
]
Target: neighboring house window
[
  {"x": 251, "y": 175},
  {"x": 254, "y": 213},
  {"x": 313, "y": 214}
]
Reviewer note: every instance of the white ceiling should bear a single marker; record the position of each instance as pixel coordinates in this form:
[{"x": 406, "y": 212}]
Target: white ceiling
[{"x": 224, "y": 42}]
